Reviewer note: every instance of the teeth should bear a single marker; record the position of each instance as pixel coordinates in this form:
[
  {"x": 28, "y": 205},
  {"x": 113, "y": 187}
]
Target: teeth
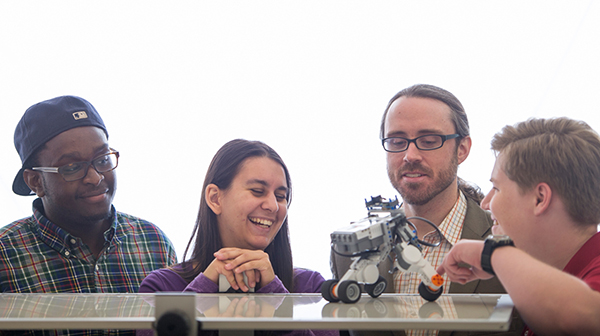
[
  {"x": 261, "y": 221},
  {"x": 413, "y": 175}
]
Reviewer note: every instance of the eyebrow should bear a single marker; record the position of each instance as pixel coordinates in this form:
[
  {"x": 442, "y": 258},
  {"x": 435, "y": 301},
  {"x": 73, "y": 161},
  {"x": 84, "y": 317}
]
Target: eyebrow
[
  {"x": 264, "y": 183},
  {"x": 77, "y": 155},
  {"x": 419, "y": 133}
]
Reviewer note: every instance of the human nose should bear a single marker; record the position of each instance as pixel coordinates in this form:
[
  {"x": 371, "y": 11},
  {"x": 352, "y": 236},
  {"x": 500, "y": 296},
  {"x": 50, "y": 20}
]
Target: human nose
[
  {"x": 412, "y": 153},
  {"x": 93, "y": 176},
  {"x": 270, "y": 203},
  {"x": 485, "y": 203}
]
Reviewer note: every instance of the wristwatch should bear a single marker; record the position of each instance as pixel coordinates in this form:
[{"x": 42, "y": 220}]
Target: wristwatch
[{"x": 491, "y": 243}]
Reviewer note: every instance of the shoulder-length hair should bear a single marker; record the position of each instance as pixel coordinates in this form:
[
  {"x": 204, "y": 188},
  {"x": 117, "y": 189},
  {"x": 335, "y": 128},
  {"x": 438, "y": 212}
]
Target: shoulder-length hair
[{"x": 205, "y": 239}]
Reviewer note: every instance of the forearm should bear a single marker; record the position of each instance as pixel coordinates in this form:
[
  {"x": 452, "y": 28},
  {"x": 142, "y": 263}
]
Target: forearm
[
  {"x": 549, "y": 300},
  {"x": 275, "y": 286},
  {"x": 202, "y": 284}
]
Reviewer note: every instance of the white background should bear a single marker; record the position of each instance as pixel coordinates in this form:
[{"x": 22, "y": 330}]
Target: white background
[{"x": 175, "y": 80}]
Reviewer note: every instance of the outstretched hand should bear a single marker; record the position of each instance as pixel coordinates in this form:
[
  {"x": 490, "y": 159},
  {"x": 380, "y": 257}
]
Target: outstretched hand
[
  {"x": 234, "y": 262},
  {"x": 463, "y": 262}
]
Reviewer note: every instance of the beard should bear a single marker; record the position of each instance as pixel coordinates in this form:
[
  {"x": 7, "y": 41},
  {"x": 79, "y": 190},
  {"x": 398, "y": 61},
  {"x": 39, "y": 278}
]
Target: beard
[{"x": 417, "y": 193}]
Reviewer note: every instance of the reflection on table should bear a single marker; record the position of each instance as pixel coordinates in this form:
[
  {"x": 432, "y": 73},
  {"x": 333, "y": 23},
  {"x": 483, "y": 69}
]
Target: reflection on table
[
  {"x": 414, "y": 307},
  {"x": 259, "y": 311}
]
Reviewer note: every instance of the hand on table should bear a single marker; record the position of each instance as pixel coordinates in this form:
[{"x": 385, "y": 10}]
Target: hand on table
[{"x": 234, "y": 262}]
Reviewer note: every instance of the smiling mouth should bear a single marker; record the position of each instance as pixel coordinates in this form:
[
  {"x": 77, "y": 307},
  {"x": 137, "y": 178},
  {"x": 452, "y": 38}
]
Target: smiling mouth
[
  {"x": 413, "y": 175},
  {"x": 95, "y": 194},
  {"x": 261, "y": 222}
]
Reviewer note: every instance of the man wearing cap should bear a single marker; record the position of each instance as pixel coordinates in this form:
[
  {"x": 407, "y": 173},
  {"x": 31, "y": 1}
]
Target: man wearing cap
[{"x": 75, "y": 241}]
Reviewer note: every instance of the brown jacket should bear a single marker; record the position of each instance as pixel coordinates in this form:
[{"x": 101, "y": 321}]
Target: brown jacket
[{"x": 477, "y": 225}]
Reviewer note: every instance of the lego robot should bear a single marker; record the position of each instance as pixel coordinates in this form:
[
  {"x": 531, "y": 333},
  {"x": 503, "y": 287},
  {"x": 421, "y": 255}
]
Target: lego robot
[{"x": 369, "y": 241}]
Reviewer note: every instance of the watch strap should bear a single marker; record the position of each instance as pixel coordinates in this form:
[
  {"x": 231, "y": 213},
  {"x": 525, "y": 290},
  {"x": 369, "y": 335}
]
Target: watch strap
[{"x": 490, "y": 244}]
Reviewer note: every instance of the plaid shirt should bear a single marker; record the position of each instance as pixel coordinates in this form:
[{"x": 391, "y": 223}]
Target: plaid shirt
[
  {"x": 36, "y": 256},
  {"x": 451, "y": 228}
]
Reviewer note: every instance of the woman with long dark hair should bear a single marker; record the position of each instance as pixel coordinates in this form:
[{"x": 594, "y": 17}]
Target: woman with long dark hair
[{"x": 242, "y": 228}]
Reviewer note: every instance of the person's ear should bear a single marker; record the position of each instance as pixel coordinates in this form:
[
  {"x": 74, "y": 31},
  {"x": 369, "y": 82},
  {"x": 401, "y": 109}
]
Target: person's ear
[
  {"x": 213, "y": 198},
  {"x": 33, "y": 180},
  {"x": 543, "y": 197},
  {"x": 464, "y": 148}
]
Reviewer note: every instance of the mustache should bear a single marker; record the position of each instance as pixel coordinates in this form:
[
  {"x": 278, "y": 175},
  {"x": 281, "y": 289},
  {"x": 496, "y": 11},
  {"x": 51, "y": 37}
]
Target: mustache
[{"x": 411, "y": 167}]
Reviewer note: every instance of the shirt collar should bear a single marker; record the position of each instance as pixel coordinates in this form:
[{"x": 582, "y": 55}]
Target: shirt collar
[
  {"x": 55, "y": 236},
  {"x": 587, "y": 252},
  {"x": 451, "y": 226}
]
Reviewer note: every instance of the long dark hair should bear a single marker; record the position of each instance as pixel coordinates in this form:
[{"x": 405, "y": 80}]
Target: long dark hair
[{"x": 206, "y": 240}]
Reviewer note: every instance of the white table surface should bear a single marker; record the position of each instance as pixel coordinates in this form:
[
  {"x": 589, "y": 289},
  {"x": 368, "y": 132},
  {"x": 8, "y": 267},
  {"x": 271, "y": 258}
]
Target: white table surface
[{"x": 483, "y": 312}]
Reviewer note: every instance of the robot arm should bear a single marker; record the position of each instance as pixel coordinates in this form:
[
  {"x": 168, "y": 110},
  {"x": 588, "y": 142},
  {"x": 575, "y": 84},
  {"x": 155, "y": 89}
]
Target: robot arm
[
  {"x": 410, "y": 259},
  {"x": 368, "y": 242}
]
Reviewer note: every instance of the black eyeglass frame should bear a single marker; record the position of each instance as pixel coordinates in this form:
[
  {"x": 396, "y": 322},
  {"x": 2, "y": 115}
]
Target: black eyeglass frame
[
  {"x": 443, "y": 137},
  {"x": 85, "y": 167}
]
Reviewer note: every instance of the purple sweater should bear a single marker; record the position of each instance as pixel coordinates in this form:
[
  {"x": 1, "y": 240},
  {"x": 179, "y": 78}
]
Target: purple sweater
[{"x": 166, "y": 280}]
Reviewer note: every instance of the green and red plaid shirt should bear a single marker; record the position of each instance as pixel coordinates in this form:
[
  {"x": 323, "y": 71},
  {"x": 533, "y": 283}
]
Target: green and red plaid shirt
[{"x": 36, "y": 256}]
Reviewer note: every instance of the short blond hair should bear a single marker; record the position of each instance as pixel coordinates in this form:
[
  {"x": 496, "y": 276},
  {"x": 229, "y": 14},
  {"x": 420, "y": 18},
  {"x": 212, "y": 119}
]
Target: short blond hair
[{"x": 562, "y": 152}]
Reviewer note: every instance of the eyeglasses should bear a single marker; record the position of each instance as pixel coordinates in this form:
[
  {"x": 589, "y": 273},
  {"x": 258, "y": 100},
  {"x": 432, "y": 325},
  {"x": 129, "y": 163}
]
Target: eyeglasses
[
  {"x": 423, "y": 142},
  {"x": 78, "y": 170}
]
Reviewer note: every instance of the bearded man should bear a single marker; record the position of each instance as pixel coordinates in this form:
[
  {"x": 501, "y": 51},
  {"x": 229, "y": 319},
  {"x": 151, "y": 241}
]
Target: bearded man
[{"x": 425, "y": 133}]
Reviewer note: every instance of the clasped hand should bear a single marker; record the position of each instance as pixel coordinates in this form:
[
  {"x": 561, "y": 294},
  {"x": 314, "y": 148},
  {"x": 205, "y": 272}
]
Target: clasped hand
[{"x": 233, "y": 262}]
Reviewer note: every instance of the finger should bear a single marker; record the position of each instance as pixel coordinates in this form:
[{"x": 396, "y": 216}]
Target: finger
[
  {"x": 231, "y": 278},
  {"x": 228, "y": 253},
  {"x": 259, "y": 265},
  {"x": 237, "y": 261},
  {"x": 239, "y": 278},
  {"x": 461, "y": 271},
  {"x": 246, "y": 257},
  {"x": 239, "y": 309},
  {"x": 217, "y": 268},
  {"x": 251, "y": 311},
  {"x": 262, "y": 267},
  {"x": 454, "y": 274},
  {"x": 231, "y": 308},
  {"x": 251, "y": 275},
  {"x": 257, "y": 276}
]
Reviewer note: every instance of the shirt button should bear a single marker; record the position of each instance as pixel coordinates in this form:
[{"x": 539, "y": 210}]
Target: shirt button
[
  {"x": 67, "y": 253},
  {"x": 97, "y": 267},
  {"x": 73, "y": 241}
]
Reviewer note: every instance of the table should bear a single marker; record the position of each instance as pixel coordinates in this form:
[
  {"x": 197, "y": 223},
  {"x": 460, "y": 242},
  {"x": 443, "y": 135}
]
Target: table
[{"x": 484, "y": 312}]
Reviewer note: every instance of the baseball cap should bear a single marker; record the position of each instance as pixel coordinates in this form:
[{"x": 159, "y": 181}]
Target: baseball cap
[{"x": 45, "y": 120}]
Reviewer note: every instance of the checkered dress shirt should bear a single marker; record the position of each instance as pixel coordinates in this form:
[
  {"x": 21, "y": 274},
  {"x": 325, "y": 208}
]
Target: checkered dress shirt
[
  {"x": 451, "y": 228},
  {"x": 37, "y": 256}
]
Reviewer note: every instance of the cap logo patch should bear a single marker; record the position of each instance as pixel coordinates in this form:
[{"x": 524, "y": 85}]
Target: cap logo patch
[{"x": 80, "y": 115}]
